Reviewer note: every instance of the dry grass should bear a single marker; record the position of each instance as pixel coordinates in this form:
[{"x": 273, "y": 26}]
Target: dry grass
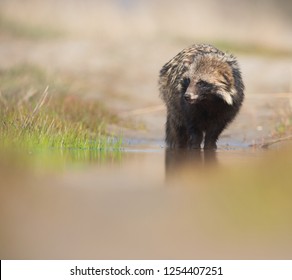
[{"x": 33, "y": 120}]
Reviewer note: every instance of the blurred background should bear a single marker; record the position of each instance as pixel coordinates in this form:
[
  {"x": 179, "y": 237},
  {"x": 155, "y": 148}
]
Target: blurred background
[
  {"x": 84, "y": 36},
  {"x": 142, "y": 202},
  {"x": 245, "y": 22}
]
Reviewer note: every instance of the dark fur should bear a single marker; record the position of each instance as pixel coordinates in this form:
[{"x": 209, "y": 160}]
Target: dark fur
[{"x": 203, "y": 91}]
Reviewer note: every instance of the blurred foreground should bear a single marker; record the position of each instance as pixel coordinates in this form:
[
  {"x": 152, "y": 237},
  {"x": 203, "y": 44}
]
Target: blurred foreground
[{"x": 138, "y": 208}]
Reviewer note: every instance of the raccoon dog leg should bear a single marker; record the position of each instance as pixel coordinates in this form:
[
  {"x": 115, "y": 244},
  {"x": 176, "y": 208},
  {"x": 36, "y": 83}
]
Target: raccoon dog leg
[
  {"x": 195, "y": 138},
  {"x": 176, "y": 134},
  {"x": 211, "y": 136}
]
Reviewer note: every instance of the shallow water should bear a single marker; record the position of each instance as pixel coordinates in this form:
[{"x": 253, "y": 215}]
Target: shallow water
[{"x": 147, "y": 203}]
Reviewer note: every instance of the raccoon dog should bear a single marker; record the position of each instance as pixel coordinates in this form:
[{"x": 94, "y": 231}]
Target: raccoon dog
[{"x": 203, "y": 91}]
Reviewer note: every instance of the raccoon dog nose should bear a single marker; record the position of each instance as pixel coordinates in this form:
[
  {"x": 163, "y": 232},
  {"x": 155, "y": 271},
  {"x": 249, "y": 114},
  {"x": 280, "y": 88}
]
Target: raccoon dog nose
[{"x": 187, "y": 97}]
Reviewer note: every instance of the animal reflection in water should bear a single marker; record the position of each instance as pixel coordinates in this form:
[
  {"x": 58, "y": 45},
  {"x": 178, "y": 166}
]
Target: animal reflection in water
[{"x": 178, "y": 159}]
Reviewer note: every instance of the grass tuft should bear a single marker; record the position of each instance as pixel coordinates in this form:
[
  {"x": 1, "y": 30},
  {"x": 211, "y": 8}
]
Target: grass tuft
[
  {"x": 32, "y": 120},
  {"x": 64, "y": 122}
]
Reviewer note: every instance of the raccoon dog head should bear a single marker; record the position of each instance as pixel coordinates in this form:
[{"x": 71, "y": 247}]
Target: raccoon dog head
[{"x": 209, "y": 78}]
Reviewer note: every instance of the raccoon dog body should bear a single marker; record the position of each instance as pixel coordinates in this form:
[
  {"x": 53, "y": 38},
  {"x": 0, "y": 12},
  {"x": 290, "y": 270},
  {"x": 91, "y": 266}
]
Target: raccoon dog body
[{"x": 203, "y": 91}]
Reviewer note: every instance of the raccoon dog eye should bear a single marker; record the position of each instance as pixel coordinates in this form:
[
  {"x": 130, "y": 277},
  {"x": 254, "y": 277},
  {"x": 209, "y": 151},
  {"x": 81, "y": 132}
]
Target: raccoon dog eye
[
  {"x": 185, "y": 83},
  {"x": 204, "y": 85}
]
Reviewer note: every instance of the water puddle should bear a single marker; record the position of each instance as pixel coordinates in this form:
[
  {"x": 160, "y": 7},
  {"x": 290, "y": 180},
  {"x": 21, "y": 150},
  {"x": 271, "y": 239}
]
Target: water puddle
[{"x": 148, "y": 203}]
